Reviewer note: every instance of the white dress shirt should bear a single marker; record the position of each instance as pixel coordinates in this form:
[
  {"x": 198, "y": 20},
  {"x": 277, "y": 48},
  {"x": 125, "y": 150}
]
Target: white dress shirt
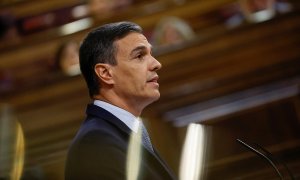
[{"x": 126, "y": 117}]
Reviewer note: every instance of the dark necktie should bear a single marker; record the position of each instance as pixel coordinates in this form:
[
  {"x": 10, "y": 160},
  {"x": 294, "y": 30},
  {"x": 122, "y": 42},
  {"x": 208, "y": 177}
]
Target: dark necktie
[{"x": 146, "y": 139}]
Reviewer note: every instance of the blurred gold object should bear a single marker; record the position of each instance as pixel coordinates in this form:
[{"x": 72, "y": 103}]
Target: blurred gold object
[{"x": 12, "y": 145}]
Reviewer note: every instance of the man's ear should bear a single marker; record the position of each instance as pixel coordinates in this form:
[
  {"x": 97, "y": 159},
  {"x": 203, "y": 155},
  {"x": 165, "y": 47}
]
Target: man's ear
[{"x": 104, "y": 73}]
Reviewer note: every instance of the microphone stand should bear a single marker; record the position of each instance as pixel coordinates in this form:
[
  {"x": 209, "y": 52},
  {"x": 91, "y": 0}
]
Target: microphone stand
[{"x": 267, "y": 156}]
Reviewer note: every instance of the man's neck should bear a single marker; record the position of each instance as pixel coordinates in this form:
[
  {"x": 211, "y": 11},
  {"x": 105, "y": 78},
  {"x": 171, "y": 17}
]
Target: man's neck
[{"x": 114, "y": 100}]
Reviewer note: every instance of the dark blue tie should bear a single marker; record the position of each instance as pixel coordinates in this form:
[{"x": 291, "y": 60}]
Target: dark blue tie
[{"x": 146, "y": 139}]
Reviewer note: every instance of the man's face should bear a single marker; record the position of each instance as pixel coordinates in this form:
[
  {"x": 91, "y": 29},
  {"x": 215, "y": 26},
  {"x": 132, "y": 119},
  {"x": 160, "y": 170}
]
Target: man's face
[{"x": 135, "y": 77}]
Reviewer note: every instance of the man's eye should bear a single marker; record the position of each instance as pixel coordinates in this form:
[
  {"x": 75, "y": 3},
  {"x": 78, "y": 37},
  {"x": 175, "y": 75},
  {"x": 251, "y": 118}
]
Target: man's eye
[{"x": 140, "y": 56}]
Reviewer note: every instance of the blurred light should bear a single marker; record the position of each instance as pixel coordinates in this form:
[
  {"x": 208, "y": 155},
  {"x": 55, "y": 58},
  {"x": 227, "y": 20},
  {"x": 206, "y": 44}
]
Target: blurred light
[
  {"x": 258, "y": 11},
  {"x": 261, "y": 16},
  {"x": 192, "y": 157},
  {"x": 76, "y": 26},
  {"x": 80, "y": 11},
  {"x": 134, "y": 155},
  {"x": 11, "y": 145},
  {"x": 19, "y": 154},
  {"x": 222, "y": 106}
]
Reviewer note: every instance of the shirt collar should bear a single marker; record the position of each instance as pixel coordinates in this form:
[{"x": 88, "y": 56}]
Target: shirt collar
[{"x": 126, "y": 117}]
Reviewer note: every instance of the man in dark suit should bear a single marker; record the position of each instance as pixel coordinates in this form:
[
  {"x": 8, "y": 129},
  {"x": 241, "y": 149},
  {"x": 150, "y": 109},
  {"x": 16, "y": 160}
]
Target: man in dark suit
[{"x": 121, "y": 74}]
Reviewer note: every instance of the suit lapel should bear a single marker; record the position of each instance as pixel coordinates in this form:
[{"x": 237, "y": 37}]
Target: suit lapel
[{"x": 101, "y": 113}]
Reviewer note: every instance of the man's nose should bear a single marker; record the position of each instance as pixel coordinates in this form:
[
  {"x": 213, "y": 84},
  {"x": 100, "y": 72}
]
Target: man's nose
[{"x": 156, "y": 64}]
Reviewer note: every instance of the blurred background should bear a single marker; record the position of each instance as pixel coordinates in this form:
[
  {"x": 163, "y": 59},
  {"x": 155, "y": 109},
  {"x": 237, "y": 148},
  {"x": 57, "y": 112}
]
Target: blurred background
[{"x": 231, "y": 70}]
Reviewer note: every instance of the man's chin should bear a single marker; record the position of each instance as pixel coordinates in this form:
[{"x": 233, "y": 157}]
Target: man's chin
[{"x": 156, "y": 97}]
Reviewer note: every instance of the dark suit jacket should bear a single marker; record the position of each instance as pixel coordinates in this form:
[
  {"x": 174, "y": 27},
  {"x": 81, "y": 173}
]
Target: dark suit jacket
[{"x": 99, "y": 151}]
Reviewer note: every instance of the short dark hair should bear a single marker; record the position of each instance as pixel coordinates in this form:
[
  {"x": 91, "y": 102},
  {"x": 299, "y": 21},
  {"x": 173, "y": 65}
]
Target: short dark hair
[{"x": 98, "y": 47}]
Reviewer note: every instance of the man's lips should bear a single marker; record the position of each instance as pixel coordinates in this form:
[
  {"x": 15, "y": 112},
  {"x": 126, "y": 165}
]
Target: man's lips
[{"x": 154, "y": 79}]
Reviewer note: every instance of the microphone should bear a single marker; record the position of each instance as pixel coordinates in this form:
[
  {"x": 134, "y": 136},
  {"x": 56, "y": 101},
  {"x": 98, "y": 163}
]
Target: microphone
[{"x": 266, "y": 155}]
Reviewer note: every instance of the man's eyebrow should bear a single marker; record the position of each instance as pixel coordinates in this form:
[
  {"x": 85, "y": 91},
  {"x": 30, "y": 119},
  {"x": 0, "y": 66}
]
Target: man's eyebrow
[{"x": 139, "y": 48}]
